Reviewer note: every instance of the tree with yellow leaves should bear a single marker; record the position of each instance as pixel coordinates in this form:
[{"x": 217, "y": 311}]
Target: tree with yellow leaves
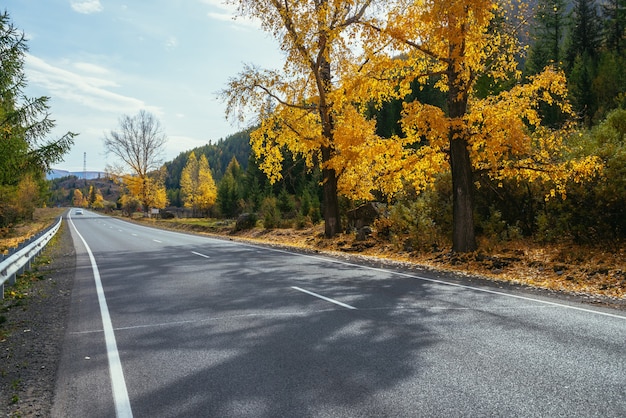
[
  {"x": 129, "y": 204},
  {"x": 304, "y": 107},
  {"x": 150, "y": 190},
  {"x": 456, "y": 42},
  {"x": 95, "y": 199},
  {"x": 315, "y": 107},
  {"x": 28, "y": 196},
  {"x": 78, "y": 199},
  {"x": 197, "y": 187}
]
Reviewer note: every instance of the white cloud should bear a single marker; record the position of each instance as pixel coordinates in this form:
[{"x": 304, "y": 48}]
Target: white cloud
[
  {"x": 228, "y": 17},
  {"x": 219, "y": 4},
  {"x": 87, "y": 7},
  {"x": 238, "y": 22},
  {"x": 228, "y": 13},
  {"x": 87, "y": 91},
  {"x": 178, "y": 143},
  {"x": 171, "y": 42},
  {"x": 90, "y": 68}
]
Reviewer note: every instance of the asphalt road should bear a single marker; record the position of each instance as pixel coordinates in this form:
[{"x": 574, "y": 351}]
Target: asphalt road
[{"x": 188, "y": 326}]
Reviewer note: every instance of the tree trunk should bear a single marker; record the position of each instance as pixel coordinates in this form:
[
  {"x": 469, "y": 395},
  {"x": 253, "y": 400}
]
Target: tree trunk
[
  {"x": 463, "y": 234},
  {"x": 332, "y": 219}
]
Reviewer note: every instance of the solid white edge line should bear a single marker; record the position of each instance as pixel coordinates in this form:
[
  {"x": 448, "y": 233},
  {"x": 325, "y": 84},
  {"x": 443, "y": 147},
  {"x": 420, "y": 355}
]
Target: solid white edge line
[
  {"x": 336, "y": 302},
  {"x": 118, "y": 383}
]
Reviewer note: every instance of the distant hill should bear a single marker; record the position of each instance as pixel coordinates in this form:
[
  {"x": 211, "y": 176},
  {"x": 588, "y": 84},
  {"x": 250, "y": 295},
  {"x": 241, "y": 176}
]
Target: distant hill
[
  {"x": 61, "y": 190},
  {"x": 56, "y": 173}
]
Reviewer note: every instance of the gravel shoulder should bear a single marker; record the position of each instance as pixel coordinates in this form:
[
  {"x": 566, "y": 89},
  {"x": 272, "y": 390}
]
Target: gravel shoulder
[{"x": 33, "y": 332}]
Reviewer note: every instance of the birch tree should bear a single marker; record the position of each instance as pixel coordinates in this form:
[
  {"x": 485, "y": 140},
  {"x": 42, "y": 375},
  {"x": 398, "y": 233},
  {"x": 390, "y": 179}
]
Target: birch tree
[
  {"x": 304, "y": 107},
  {"x": 454, "y": 43}
]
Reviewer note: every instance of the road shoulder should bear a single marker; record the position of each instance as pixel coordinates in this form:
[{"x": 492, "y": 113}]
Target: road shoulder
[{"x": 35, "y": 327}]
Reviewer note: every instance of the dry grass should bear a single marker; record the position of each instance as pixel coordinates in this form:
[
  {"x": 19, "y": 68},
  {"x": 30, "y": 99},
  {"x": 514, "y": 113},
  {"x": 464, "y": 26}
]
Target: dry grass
[
  {"x": 12, "y": 237},
  {"x": 562, "y": 267}
]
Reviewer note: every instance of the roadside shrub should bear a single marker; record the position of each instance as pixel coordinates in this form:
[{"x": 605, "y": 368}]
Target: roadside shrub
[
  {"x": 413, "y": 225},
  {"x": 309, "y": 207},
  {"x": 9, "y": 215},
  {"x": 10, "y": 211},
  {"x": 129, "y": 204},
  {"x": 302, "y": 222},
  {"x": 383, "y": 228},
  {"x": 495, "y": 227},
  {"x": 316, "y": 214},
  {"x": 271, "y": 214},
  {"x": 594, "y": 211},
  {"x": 305, "y": 203},
  {"x": 423, "y": 233},
  {"x": 286, "y": 204}
]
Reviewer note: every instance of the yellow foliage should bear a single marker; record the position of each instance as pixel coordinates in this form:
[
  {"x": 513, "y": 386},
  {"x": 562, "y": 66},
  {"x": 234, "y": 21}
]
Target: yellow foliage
[
  {"x": 196, "y": 183},
  {"x": 78, "y": 199},
  {"x": 188, "y": 188},
  {"x": 27, "y": 196},
  {"x": 129, "y": 203},
  {"x": 158, "y": 195},
  {"x": 98, "y": 203},
  {"x": 504, "y": 133},
  {"x": 321, "y": 116},
  {"x": 295, "y": 129},
  {"x": 454, "y": 42},
  {"x": 149, "y": 191},
  {"x": 303, "y": 107}
]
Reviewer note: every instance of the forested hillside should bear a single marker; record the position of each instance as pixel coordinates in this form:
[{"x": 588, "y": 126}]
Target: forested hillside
[
  {"x": 218, "y": 154},
  {"x": 98, "y": 193}
]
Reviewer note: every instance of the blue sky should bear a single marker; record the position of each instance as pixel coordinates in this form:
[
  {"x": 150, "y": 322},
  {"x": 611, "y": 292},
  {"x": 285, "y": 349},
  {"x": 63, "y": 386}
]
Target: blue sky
[{"x": 100, "y": 59}]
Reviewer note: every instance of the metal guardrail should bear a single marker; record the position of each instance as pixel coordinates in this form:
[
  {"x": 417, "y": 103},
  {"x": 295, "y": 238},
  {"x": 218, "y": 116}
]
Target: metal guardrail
[{"x": 19, "y": 260}]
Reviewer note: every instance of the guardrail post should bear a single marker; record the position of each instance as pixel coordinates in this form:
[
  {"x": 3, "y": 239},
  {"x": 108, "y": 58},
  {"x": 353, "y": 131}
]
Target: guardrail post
[{"x": 6, "y": 278}]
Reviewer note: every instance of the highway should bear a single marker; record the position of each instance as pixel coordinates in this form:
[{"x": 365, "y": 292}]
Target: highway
[{"x": 166, "y": 324}]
